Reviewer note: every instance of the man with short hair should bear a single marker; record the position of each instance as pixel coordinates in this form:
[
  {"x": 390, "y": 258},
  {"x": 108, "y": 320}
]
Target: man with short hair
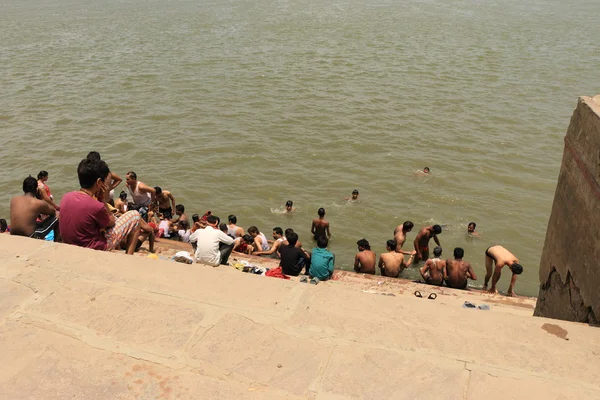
[
  {"x": 25, "y": 211},
  {"x": 499, "y": 256},
  {"x": 354, "y": 195},
  {"x": 260, "y": 240},
  {"x": 471, "y": 229},
  {"x": 233, "y": 229},
  {"x": 166, "y": 202},
  {"x": 277, "y": 240},
  {"x": 141, "y": 193},
  {"x": 287, "y": 233},
  {"x": 289, "y": 206},
  {"x": 392, "y": 262},
  {"x": 421, "y": 242},
  {"x": 400, "y": 235},
  {"x": 292, "y": 258},
  {"x": 321, "y": 260},
  {"x": 366, "y": 259},
  {"x": 459, "y": 271},
  {"x": 320, "y": 227},
  {"x": 85, "y": 218},
  {"x": 434, "y": 270},
  {"x": 213, "y": 247}
]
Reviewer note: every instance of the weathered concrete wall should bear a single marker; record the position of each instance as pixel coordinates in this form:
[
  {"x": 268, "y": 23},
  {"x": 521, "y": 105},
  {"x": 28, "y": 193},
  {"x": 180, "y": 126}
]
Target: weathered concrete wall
[{"x": 570, "y": 262}]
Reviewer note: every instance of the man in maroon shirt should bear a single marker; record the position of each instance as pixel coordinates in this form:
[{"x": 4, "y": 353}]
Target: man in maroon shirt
[{"x": 86, "y": 220}]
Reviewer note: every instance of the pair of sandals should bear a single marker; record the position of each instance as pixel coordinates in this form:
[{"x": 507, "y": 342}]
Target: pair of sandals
[
  {"x": 313, "y": 281},
  {"x": 432, "y": 296}
]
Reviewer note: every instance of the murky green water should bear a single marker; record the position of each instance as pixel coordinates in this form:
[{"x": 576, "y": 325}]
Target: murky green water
[{"x": 237, "y": 106}]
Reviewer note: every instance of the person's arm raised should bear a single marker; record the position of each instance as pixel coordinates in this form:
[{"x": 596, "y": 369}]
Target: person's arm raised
[{"x": 115, "y": 181}]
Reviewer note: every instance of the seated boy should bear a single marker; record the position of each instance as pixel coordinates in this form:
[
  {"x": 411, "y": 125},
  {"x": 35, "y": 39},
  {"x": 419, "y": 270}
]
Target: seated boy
[{"x": 321, "y": 260}]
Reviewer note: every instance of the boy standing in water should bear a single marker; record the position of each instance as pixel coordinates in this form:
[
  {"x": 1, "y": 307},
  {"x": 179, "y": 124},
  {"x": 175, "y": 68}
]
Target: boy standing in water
[{"x": 320, "y": 227}]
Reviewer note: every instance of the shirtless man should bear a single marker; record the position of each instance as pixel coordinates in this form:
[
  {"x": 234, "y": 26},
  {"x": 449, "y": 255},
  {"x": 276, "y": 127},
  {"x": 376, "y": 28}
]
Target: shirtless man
[
  {"x": 366, "y": 259},
  {"x": 422, "y": 173},
  {"x": 354, "y": 195},
  {"x": 277, "y": 240},
  {"x": 392, "y": 262},
  {"x": 320, "y": 227},
  {"x": 166, "y": 202},
  {"x": 500, "y": 256},
  {"x": 434, "y": 270},
  {"x": 459, "y": 271},
  {"x": 471, "y": 229},
  {"x": 421, "y": 242},
  {"x": 121, "y": 202},
  {"x": 25, "y": 209},
  {"x": 234, "y": 230},
  {"x": 289, "y": 206},
  {"x": 400, "y": 235}
]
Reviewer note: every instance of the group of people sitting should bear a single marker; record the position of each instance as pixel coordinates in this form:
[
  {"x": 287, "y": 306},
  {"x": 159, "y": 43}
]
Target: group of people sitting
[{"x": 91, "y": 217}]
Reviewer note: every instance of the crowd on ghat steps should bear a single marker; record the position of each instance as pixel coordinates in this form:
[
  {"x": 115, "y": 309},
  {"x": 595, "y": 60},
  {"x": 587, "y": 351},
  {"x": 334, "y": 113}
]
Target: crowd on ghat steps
[{"x": 92, "y": 217}]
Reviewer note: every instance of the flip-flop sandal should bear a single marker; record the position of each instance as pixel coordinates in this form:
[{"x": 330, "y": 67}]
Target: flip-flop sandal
[
  {"x": 418, "y": 294},
  {"x": 432, "y": 296},
  {"x": 468, "y": 304},
  {"x": 314, "y": 281},
  {"x": 304, "y": 279}
]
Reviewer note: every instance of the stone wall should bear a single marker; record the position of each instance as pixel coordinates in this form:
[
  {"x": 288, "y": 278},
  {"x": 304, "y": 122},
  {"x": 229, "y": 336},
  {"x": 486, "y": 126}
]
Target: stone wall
[{"x": 570, "y": 262}]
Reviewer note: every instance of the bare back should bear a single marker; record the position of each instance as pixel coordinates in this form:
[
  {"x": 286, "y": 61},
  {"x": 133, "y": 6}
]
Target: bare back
[
  {"x": 367, "y": 259},
  {"x": 399, "y": 237},
  {"x": 436, "y": 270},
  {"x": 501, "y": 256},
  {"x": 320, "y": 227},
  {"x": 24, "y": 210},
  {"x": 164, "y": 199},
  {"x": 391, "y": 264},
  {"x": 458, "y": 273}
]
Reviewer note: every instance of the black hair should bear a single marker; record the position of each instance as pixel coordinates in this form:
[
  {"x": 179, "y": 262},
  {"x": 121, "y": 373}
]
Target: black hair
[
  {"x": 292, "y": 238},
  {"x": 322, "y": 242},
  {"x": 133, "y": 175},
  {"x": 232, "y": 219},
  {"x": 391, "y": 244},
  {"x": 278, "y": 230},
  {"x": 195, "y": 218},
  {"x": 94, "y": 155},
  {"x": 89, "y": 171},
  {"x": 472, "y": 223},
  {"x": 426, "y": 168},
  {"x": 123, "y": 195},
  {"x": 516, "y": 268},
  {"x": 30, "y": 185},
  {"x": 289, "y": 203},
  {"x": 158, "y": 190},
  {"x": 459, "y": 252},
  {"x": 223, "y": 227},
  {"x": 321, "y": 212},
  {"x": 407, "y": 226},
  {"x": 355, "y": 191},
  {"x": 211, "y": 219},
  {"x": 3, "y": 225},
  {"x": 437, "y": 229},
  {"x": 253, "y": 229},
  {"x": 180, "y": 208},
  {"x": 218, "y": 219},
  {"x": 437, "y": 251},
  {"x": 247, "y": 238},
  {"x": 42, "y": 174},
  {"x": 288, "y": 231},
  {"x": 364, "y": 243}
]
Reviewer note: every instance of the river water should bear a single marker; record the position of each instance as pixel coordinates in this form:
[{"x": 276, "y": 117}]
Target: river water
[{"x": 237, "y": 106}]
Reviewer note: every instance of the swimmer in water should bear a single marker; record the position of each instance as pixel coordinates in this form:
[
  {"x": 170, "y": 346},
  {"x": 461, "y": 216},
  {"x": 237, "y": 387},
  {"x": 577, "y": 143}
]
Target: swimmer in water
[
  {"x": 471, "y": 229},
  {"x": 289, "y": 207},
  {"x": 354, "y": 195},
  {"x": 423, "y": 172}
]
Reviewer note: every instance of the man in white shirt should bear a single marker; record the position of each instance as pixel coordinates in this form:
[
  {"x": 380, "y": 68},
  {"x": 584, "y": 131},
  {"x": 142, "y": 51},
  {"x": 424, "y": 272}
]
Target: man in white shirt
[{"x": 213, "y": 247}]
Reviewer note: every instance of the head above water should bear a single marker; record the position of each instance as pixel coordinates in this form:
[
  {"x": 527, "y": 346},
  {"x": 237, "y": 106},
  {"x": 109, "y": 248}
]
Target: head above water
[
  {"x": 292, "y": 238},
  {"x": 437, "y": 251},
  {"x": 426, "y": 170},
  {"x": 355, "y": 194},
  {"x": 391, "y": 245},
  {"x": 43, "y": 175},
  {"x": 407, "y": 226},
  {"x": 459, "y": 253},
  {"x": 30, "y": 185},
  {"x": 289, "y": 205},
  {"x": 516, "y": 268},
  {"x": 322, "y": 242},
  {"x": 363, "y": 244},
  {"x": 321, "y": 212},
  {"x": 437, "y": 229},
  {"x": 232, "y": 219},
  {"x": 91, "y": 172},
  {"x": 471, "y": 227},
  {"x": 158, "y": 190}
]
